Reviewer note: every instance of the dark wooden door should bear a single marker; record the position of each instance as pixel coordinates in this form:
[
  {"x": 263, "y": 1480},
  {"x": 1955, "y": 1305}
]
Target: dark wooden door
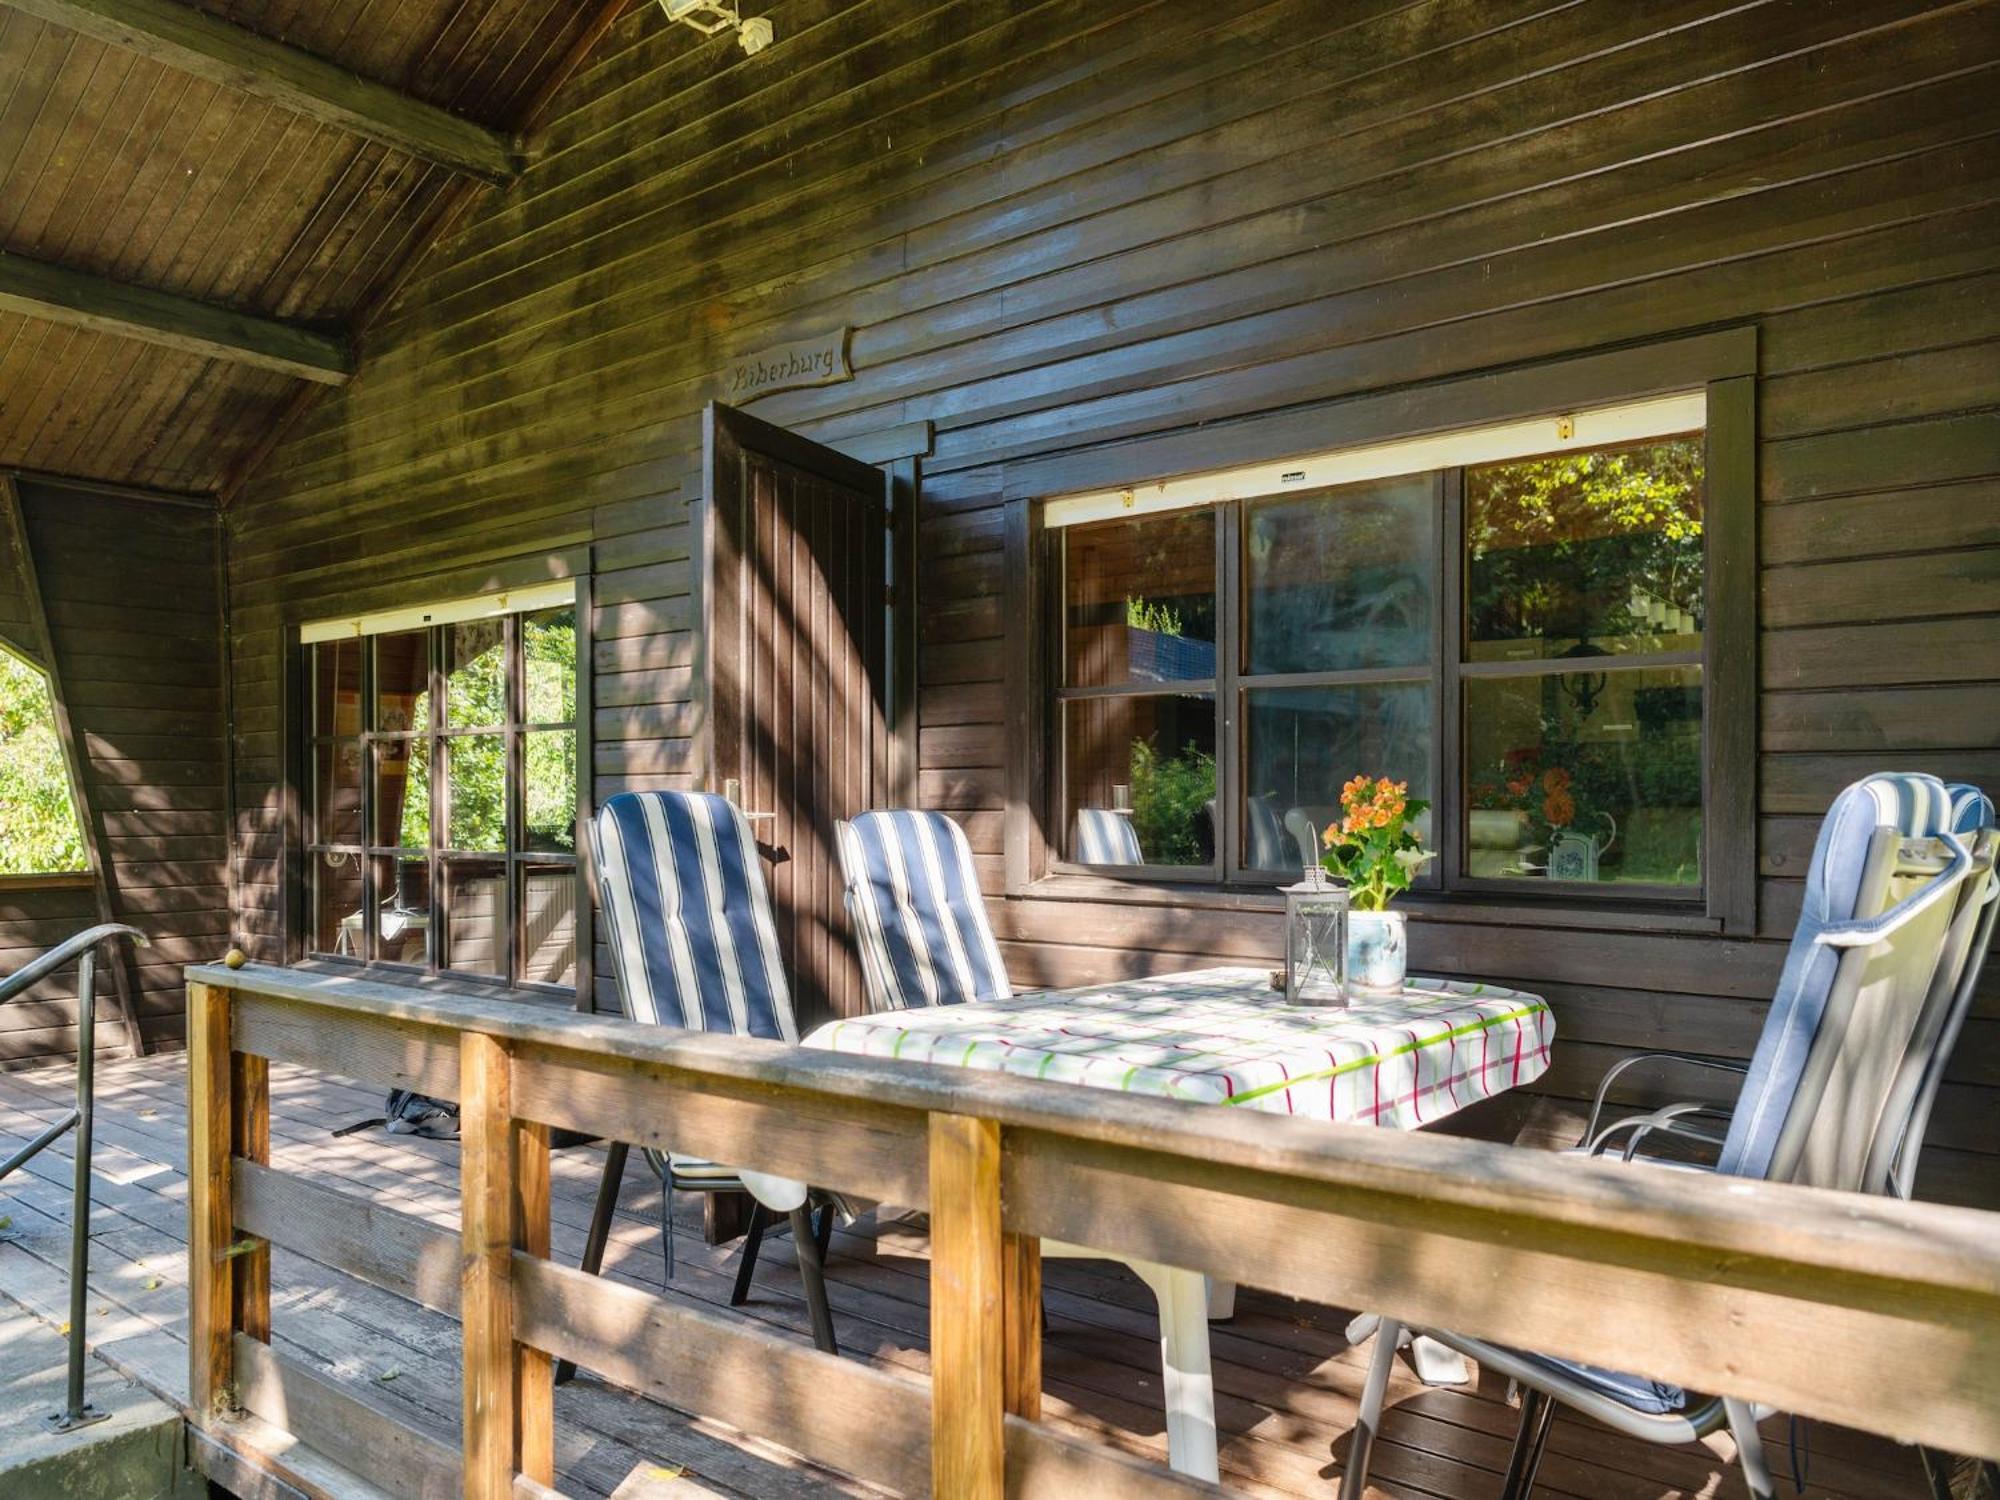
[{"x": 797, "y": 629}]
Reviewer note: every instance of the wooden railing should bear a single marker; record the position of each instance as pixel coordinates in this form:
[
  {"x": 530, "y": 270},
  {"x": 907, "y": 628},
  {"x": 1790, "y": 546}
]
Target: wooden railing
[{"x": 1868, "y": 1312}]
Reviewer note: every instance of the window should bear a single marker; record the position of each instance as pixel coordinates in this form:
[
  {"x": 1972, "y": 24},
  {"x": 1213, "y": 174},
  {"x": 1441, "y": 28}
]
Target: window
[
  {"x": 442, "y": 792},
  {"x": 1513, "y": 620},
  {"x": 40, "y": 833}
]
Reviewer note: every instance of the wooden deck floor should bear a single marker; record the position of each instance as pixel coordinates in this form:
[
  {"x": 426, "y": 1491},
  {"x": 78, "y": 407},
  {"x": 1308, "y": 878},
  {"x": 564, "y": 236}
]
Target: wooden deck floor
[{"x": 1287, "y": 1382}]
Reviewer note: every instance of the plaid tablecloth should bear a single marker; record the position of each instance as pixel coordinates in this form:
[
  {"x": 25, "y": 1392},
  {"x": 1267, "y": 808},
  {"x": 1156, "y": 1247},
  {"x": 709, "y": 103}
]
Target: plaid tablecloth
[{"x": 1224, "y": 1036}]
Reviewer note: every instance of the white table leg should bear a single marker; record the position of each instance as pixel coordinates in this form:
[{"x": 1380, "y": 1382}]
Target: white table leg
[
  {"x": 1186, "y": 1374},
  {"x": 1187, "y": 1377},
  {"x": 1221, "y": 1300}
]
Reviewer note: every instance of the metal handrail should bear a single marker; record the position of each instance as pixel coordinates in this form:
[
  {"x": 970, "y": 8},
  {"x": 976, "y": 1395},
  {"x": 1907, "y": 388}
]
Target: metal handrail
[{"x": 82, "y": 949}]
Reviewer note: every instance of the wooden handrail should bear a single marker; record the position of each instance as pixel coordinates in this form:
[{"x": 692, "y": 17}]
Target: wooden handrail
[{"x": 1865, "y": 1311}]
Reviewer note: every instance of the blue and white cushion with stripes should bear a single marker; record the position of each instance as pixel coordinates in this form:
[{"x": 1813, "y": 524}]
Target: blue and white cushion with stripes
[
  {"x": 1917, "y": 806},
  {"x": 687, "y": 915},
  {"x": 1104, "y": 837},
  {"x": 919, "y": 920}
]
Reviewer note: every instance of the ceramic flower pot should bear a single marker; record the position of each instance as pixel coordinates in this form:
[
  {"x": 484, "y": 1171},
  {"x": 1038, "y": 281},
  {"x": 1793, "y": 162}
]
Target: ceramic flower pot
[{"x": 1378, "y": 952}]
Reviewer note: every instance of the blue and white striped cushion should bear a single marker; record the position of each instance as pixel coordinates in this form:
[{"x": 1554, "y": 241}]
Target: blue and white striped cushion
[
  {"x": 919, "y": 919},
  {"x": 1919, "y": 807},
  {"x": 1104, "y": 837},
  {"x": 687, "y": 915},
  {"x": 1971, "y": 809}
]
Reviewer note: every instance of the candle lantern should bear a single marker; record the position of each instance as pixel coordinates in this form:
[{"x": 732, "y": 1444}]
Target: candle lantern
[{"x": 1315, "y": 941}]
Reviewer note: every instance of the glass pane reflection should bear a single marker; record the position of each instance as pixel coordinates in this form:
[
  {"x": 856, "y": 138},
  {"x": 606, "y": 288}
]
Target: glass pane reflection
[
  {"x": 1303, "y": 744},
  {"x": 1340, "y": 579},
  {"x": 1139, "y": 600},
  {"x": 1586, "y": 554},
  {"x": 1587, "y": 777},
  {"x": 1141, "y": 780}
]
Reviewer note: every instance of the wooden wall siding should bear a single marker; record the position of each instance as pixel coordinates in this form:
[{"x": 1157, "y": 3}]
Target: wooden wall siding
[
  {"x": 115, "y": 164},
  {"x": 130, "y": 587},
  {"x": 1059, "y": 224}
]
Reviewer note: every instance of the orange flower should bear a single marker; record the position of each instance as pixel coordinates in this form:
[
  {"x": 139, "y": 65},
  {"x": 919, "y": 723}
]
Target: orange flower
[
  {"x": 1559, "y": 809},
  {"x": 1555, "y": 779},
  {"x": 1520, "y": 788}
]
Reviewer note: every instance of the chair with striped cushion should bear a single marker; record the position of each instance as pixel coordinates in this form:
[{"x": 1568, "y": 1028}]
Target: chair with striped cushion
[
  {"x": 687, "y": 919},
  {"x": 1825, "y": 1096},
  {"x": 1105, "y": 837},
  {"x": 919, "y": 921}
]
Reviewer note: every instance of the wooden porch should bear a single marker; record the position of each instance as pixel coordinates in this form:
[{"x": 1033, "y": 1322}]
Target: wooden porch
[{"x": 1286, "y": 1381}]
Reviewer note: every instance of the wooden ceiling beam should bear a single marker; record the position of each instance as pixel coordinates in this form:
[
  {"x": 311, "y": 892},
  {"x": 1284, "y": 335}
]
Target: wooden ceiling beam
[
  {"x": 191, "y": 41},
  {"x": 59, "y": 294}
]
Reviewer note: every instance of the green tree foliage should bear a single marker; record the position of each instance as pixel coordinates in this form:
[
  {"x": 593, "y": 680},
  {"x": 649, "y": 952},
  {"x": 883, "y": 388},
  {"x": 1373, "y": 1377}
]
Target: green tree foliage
[
  {"x": 1567, "y": 539},
  {"x": 39, "y": 830},
  {"x": 476, "y": 698},
  {"x": 1167, "y": 800}
]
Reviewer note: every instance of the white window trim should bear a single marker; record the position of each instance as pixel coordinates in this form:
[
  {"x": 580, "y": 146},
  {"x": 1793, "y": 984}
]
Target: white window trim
[
  {"x": 551, "y": 595},
  {"x": 1632, "y": 421}
]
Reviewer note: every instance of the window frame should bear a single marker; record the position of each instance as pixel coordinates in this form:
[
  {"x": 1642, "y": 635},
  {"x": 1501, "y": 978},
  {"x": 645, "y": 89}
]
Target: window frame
[
  {"x": 1721, "y": 365},
  {"x": 302, "y": 740}
]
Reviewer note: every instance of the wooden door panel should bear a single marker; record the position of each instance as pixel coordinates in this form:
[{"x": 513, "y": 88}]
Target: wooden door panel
[{"x": 797, "y": 640}]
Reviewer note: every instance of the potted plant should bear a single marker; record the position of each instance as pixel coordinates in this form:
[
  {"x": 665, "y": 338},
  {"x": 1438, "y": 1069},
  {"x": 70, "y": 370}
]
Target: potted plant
[{"x": 1377, "y": 853}]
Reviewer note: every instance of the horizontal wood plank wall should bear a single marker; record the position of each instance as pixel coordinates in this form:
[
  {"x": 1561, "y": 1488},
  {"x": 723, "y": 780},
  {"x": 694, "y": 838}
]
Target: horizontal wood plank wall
[
  {"x": 130, "y": 587},
  {"x": 1062, "y": 223}
]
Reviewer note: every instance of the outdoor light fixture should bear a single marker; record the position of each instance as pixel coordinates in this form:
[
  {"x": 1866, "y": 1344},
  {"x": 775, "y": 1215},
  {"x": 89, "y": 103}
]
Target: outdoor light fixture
[{"x": 712, "y": 16}]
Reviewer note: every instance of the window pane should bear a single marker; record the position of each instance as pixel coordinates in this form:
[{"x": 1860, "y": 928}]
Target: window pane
[
  {"x": 403, "y": 910},
  {"x": 1303, "y": 744},
  {"x": 475, "y": 908},
  {"x": 476, "y": 791},
  {"x": 1139, "y": 600},
  {"x": 1340, "y": 579},
  {"x": 548, "y": 645},
  {"x": 550, "y": 794},
  {"x": 1141, "y": 780},
  {"x": 337, "y": 792},
  {"x": 1585, "y": 776},
  {"x": 1585, "y": 554},
  {"x": 475, "y": 683},
  {"x": 548, "y": 925},
  {"x": 402, "y": 793},
  {"x": 402, "y": 681},
  {"x": 336, "y": 895},
  {"x": 337, "y": 687}
]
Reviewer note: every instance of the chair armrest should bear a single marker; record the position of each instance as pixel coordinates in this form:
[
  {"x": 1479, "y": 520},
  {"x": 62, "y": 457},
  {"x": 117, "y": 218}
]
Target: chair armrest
[
  {"x": 1617, "y": 1069},
  {"x": 1669, "y": 1119}
]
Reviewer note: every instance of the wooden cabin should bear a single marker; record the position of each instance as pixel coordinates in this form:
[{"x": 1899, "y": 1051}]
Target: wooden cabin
[{"x": 933, "y": 405}]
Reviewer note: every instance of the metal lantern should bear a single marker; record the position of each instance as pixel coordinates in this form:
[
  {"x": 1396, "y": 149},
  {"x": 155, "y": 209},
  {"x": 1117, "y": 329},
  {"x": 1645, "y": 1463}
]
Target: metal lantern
[{"x": 1315, "y": 941}]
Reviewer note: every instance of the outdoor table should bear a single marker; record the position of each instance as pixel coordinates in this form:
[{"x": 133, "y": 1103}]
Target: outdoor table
[{"x": 1225, "y": 1037}]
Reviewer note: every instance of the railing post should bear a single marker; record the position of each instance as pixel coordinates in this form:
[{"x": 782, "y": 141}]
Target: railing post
[
  {"x": 1021, "y": 1313},
  {"x": 534, "y": 1370},
  {"x": 250, "y": 1139},
  {"x": 504, "y": 1182},
  {"x": 968, "y": 1334},
  {"x": 211, "y": 1216}
]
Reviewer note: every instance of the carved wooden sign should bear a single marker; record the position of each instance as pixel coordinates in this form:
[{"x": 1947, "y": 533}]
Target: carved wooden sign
[{"x": 820, "y": 360}]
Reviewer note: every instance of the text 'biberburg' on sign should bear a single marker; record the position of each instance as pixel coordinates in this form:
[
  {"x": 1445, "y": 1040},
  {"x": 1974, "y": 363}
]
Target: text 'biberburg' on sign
[{"x": 821, "y": 360}]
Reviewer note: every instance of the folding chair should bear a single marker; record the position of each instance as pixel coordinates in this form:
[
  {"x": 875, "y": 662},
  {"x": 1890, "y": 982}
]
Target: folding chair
[
  {"x": 693, "y": 944},
  {"x": 1823, "y": 1097},
  {"x": 919, "y": 921}
]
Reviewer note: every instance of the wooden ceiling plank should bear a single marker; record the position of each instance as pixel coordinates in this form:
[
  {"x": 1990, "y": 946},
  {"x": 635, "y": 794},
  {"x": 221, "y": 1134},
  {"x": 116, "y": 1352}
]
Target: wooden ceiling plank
[
  {"x": 62, "y": 295},
  {"x": 195, "y": 42}
]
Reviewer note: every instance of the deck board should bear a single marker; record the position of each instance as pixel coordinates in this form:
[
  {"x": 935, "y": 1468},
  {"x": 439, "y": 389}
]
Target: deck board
[{"x": 1286, "y": 1381}]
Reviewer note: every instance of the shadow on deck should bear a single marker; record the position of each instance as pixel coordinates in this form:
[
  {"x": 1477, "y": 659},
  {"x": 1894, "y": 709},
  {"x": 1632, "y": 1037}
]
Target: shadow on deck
[{"x": 1286, "y": 1381}]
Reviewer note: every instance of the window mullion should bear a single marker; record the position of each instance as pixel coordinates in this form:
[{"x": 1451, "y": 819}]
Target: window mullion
[
  {"x": 1228, "y": 708},
  {"x": 1448, "y": 747}
]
